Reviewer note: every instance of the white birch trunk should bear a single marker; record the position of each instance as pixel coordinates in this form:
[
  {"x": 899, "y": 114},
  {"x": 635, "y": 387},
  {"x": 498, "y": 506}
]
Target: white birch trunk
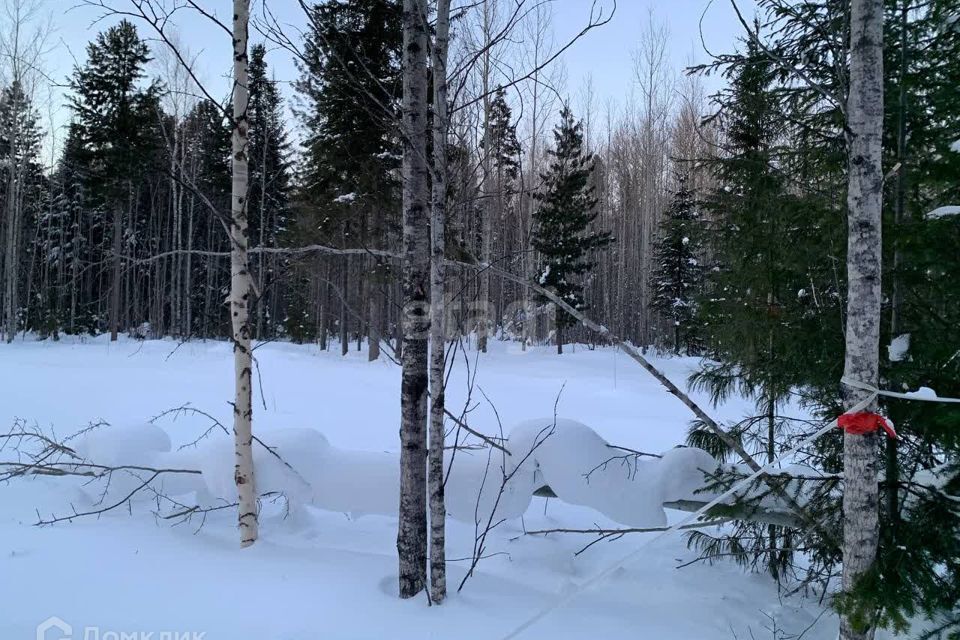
[
  {"x": 864, "y": 129},
  {"x": 438, "y": 212},
  {"x": 412, "y": 526},
  {"x": 241, "y": 284}
]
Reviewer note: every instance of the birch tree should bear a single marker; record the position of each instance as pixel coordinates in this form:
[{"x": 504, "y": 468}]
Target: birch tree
[
  {"x": 862, "y": 355},
  {"x": 438, "y": 212},
  {"x": 412, "y": 527},
  {"x": 241, "y": 283}
]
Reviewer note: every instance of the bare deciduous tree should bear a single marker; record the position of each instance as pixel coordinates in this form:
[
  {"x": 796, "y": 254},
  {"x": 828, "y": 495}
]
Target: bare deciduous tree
[
  {"x": 412, "y": 527},
  {"x": 864, "y": 201},
  {"x": 438, "y": 213},
  {"x": 23, "y": 38},
  {"x": 241, "y": 284}
]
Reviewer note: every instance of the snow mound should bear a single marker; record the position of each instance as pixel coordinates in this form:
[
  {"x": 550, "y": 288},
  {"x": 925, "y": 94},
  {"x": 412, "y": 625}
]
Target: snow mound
[
  {"x": 136, "y": 444},
  {"x": 581, "y": 468},
  {"x": 482, "y": 487}
]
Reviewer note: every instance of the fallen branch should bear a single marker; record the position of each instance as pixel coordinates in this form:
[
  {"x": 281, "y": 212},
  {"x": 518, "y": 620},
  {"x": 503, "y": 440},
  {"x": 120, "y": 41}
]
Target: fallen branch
[{"x": 616, "y": 534}]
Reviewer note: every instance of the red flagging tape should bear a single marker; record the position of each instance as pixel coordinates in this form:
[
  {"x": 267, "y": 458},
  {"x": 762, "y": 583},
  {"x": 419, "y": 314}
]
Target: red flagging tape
[{"x": 864, "y": 422}]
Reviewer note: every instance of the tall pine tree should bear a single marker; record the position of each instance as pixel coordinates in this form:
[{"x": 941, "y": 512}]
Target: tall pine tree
[
  {"x": 562, "y": 235},
  {"x": 20, "y": 183},
  {"x": 761, "y": 312},
  {"x": 117, "y": 118},
  {"x": 679, "y": 273},
  {"x": 270, "y": 184},
  {"x": 349, "y": 90}
]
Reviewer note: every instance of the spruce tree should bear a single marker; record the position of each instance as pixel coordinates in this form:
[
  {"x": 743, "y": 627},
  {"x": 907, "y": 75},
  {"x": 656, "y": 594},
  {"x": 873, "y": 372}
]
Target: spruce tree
[
  {"x": 915, "y": 572},
  {"x": 206, "y": 135},
  {"x": 270, "y": 184},
  {"x": 117, "y": 118},
  {"x": 505, "y": 148},
  {"x": 679, "y": 274},
  {"x": 501, "y": 197},
  {"x": 760, "y": 307},
  {"x": 563, "y": 235},
  {"x": 20, "y": 182},
  {"x": 349, "y": 95}
]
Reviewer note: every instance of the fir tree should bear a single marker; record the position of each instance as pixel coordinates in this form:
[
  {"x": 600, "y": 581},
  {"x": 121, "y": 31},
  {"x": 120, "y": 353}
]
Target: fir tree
[
  {"x": 20, "y": 184},
  {"x": 115, "y": 114},
  {"x": 117, "y": 119},
  {"x": 349, "y": 94},
  {"x": 505, "y": 148},
  {"x": 679, "y": 273},
  {"x": 269, "y": 193},
  {"x": 915, "y": 572},
  {"x": 761, "y": 303},
  {"x": 562, "y": 235},
  {"x": 501, "y": 191},
  {"x": 206, "y": 135}
]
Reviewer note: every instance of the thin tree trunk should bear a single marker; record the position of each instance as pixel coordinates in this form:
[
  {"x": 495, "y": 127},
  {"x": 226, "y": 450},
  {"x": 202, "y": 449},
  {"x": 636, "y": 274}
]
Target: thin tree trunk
[
  {"x": 864, "y": 133},
  {"x": 261, "y": 281},
  {"x": 241, "y": 284},
  {"x": 115, "y": 282},
  {"x": 344, "y": 282},
  {"x": 188, "y": 277},
  {"x": 373, "y": 321},
  {"x": 896, "y": 303},
  {"x": 412, "y": 529},
  {"x": 486, "y": 208},
  {"x": 438, "y": 510},
  {"x": 397, "y": 292},
  {"x": 771, "y": 457},
  {"x": 324, "y": 307},
  {"x": 12, "y": 262}
]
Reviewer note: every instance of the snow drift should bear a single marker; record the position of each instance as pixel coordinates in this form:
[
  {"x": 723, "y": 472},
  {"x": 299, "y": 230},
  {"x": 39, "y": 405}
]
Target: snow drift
[{"x": 482, "y": 486}]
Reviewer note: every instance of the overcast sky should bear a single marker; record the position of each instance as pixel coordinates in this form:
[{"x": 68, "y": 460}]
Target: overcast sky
[{"x": 605, "y": 54}]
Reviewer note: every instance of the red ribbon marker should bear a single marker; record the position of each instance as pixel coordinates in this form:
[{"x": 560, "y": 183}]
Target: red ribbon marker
[{"x": 864, "y": 422}]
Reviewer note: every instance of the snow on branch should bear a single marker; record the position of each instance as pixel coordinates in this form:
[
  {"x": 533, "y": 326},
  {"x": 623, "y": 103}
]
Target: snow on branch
[{"x": 942, "y": 212}]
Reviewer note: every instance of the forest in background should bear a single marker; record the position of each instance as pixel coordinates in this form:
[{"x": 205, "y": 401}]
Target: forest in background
[{"x": 710, "y": 225}]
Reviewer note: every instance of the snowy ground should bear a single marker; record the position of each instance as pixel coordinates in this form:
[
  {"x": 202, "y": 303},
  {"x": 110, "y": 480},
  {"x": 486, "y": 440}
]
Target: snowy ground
[{"x": 326, "y": 575}]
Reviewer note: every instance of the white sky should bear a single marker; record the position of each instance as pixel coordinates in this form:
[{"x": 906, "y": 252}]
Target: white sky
[{"x": 605, "y": 55}]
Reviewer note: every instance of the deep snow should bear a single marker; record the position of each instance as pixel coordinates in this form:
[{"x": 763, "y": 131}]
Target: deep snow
[{"x": 322, "y": 574}]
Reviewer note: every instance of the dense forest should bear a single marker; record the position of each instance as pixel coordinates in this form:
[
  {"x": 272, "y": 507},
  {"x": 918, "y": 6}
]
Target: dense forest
[{"x": 684, "y": 221}]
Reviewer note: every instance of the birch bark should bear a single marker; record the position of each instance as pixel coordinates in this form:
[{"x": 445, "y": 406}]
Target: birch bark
[
  {"x": 438, "y": 212},
  {"x": 864, "y": 130},
  {"x": 241, "y": 283},
  {"x": 412, "y": 528}
]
